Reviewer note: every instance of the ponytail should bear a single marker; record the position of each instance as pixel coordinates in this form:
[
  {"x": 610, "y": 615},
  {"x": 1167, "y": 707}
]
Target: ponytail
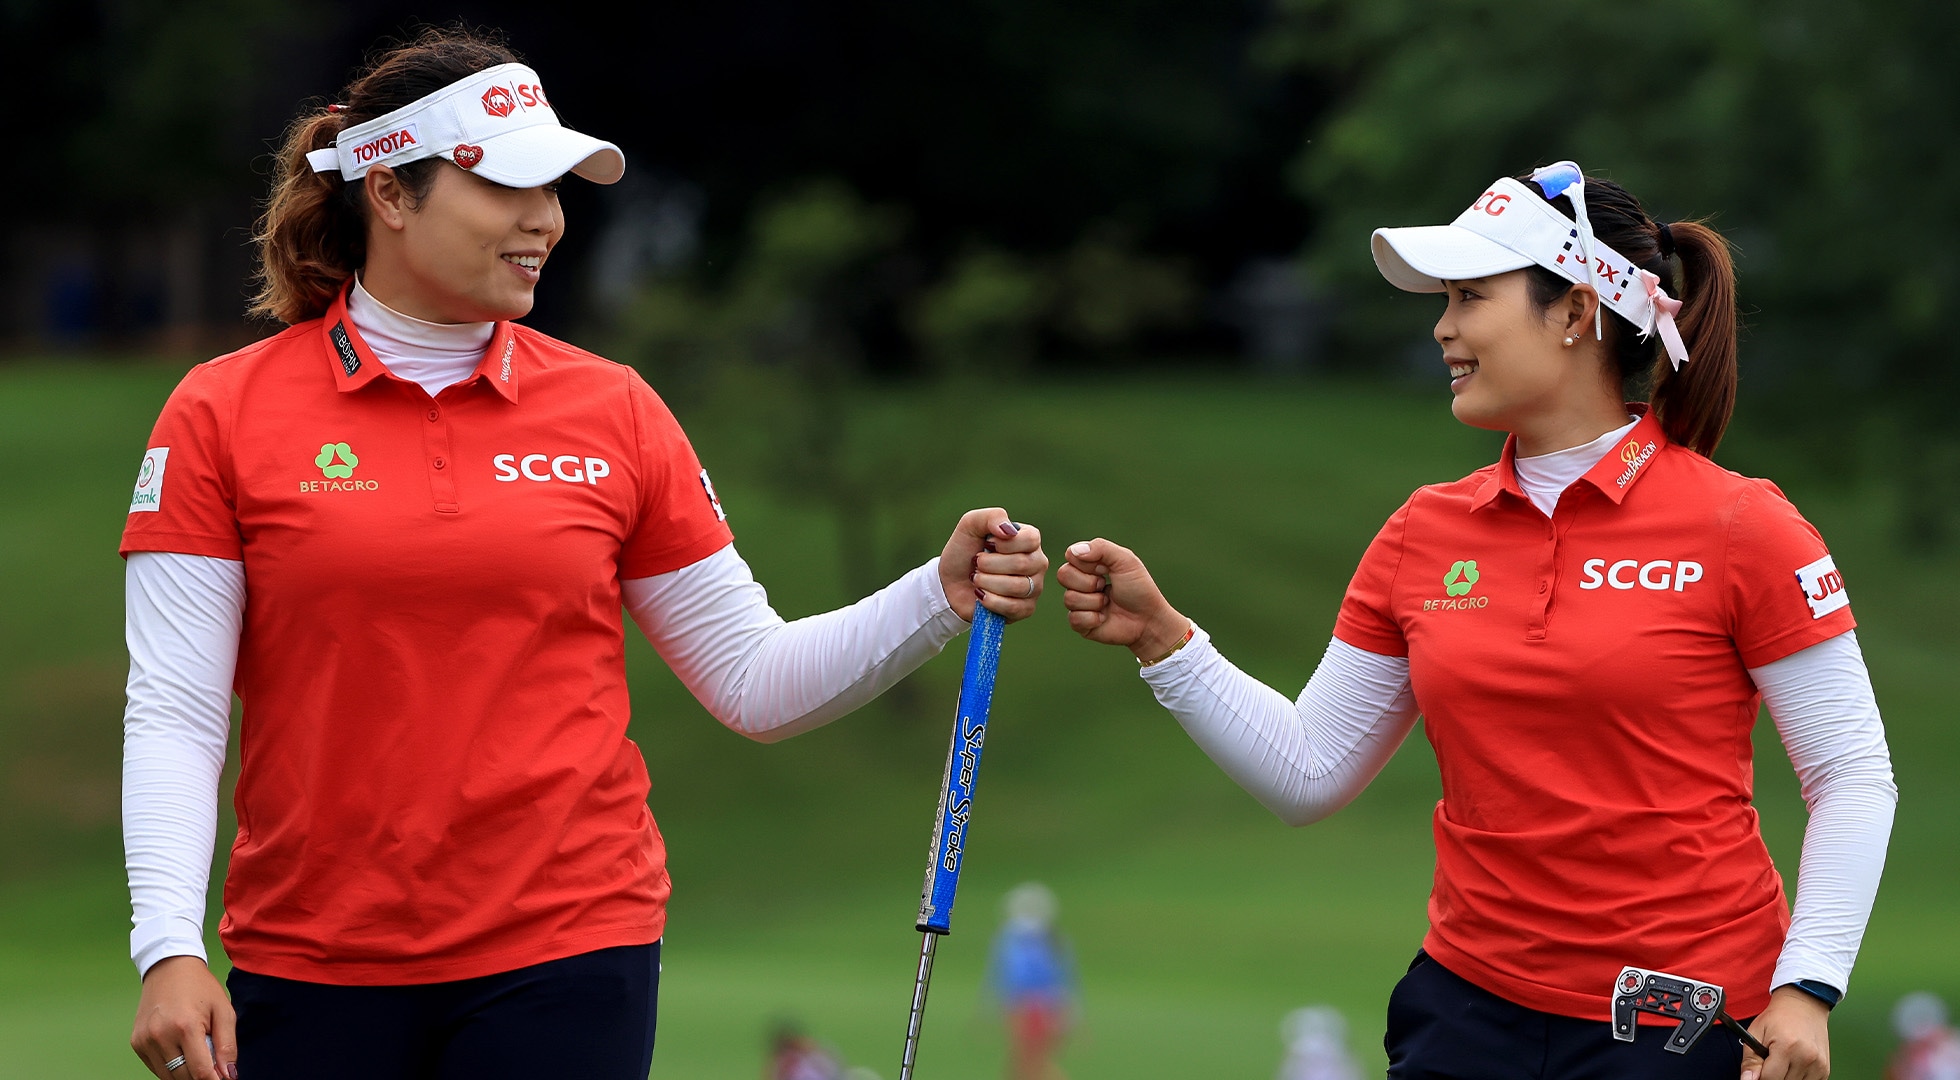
[
  {"x": 312, "y": 235},
  {"x": 1694, "y": 404}
]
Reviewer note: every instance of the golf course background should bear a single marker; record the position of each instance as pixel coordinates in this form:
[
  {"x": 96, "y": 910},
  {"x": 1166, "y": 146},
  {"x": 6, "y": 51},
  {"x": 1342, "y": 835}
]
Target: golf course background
[{"x": 1198, "y": 920}]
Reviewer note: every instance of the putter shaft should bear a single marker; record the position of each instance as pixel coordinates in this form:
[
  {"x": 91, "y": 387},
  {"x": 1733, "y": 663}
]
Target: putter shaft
[{"x": 926, "y": 949}]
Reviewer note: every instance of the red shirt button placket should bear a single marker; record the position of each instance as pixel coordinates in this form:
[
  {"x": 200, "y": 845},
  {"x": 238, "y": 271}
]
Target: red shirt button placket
[{"x": 442, "y": 478}]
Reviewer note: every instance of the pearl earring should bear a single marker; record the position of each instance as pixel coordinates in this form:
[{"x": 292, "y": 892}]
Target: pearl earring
[{"x": 1568, "y": 342}]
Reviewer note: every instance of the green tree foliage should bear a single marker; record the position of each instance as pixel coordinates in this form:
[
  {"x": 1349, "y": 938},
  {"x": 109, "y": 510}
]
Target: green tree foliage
[
  {"x": 147, "y": 103},
  {"x": 776, "y": 355},
  {"x": 773, "y": 357},
  {"x": 1819, "y": 136}
]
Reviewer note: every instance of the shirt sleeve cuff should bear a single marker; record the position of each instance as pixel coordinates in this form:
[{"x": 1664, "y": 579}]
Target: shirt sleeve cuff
[
  {"x": 1173, "y": 668},
  {"x": 162, "y": 937},
  {"x": 1791, "y": 968},
  {"x": 942, "y": 622}
]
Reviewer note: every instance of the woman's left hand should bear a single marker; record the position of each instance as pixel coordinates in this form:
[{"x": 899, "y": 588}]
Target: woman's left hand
[
  {"x": 995, "y": 561},
  {"x": 1794, "y": 1029}
]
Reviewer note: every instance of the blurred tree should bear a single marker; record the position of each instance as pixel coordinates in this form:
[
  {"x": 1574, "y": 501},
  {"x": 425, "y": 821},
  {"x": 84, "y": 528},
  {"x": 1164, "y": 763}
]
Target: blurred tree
[
  {"x": 1823, "y": 133},
  {"x": 1111, "y": 295},
  {"x": 145, "y": 104},
  {"x": 773, "y": 358},
  {"x": 983, "y": 316}
]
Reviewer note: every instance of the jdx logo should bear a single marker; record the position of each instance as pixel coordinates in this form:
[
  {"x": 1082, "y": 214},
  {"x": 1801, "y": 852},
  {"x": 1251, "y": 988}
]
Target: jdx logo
[
  {"x": 570, "y": 469},
  {"x": 1823, "y": 587},
  {"x": 1660, "y": 575}
]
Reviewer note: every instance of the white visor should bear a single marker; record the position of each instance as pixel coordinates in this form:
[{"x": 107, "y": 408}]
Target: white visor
[
  {"x": 496, "y": 123},
  {"x": 1510, "y": 227}
]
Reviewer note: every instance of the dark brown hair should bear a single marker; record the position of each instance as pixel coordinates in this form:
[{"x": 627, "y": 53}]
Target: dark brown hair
[
  {"x": 312, "y": 235},
  {"x": 1693, "y": 404}
]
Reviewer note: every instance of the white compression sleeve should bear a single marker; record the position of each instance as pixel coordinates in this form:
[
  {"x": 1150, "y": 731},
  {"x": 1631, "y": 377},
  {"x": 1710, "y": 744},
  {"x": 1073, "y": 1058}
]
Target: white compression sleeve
[
  {"x": 182, "y": 618},
  {"x": 1303, "y": 759},
  {"x": 1821, "y": 701},
  {"x": 770, "y": 679}
]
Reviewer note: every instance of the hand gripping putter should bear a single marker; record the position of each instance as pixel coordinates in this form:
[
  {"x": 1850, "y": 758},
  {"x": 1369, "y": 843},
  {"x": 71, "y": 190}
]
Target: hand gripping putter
[{"x": 955, "y": 810}]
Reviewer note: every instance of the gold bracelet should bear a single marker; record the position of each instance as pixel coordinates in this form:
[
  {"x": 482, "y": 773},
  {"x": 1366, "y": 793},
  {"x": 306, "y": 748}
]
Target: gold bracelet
[{"x": 1189, "y": 633}]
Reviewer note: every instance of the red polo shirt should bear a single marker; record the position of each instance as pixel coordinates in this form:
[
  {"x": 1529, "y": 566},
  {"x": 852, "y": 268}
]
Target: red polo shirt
[
  {"x": 436, "y": 778},
  {"x": 1583, "y": 680}
]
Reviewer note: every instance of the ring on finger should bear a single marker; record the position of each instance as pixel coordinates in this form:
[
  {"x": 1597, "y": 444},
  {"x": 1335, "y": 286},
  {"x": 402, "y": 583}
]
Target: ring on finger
[
  {"x": 174, "y": 1064},
  {"x": 1030, "y": 591}
]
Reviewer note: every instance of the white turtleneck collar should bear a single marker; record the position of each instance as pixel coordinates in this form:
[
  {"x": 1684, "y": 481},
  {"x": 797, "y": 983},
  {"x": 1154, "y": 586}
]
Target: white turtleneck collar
[
  {"x": 1545, "y": 477},
  {"x": 433, "y": 355}
]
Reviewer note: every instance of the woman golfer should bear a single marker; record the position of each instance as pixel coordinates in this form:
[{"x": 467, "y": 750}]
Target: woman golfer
[
  {"x": 1587, "y": 627},
  {"x": 403, "y": 530}
]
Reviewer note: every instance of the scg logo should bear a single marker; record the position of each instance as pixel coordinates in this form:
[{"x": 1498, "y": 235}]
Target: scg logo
[
  {"x": 544, "y": 468},
  {"x": 501, "y": 101},
  {"x": 1657, "y": 576},
  {"x": 1492, "y": 203}
]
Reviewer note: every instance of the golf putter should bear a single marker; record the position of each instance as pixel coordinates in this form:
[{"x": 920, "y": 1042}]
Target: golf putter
[{"x": 949, "y": 830}]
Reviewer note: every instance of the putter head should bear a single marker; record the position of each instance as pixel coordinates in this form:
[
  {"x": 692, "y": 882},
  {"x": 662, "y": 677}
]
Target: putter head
[{"x": 1694, "y": 1004}]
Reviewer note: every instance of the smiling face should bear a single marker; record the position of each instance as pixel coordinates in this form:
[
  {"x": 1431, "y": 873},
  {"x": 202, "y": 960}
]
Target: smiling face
[
  {"x": 1510, "y": 366},
  {"x": 471, "y": 250}
]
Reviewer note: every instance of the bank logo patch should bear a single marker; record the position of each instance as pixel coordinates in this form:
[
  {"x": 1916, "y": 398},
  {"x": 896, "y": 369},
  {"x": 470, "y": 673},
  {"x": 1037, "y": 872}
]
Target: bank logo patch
[
  {"x": 336, "y": 461},
  {"x": 1461, "y": 578},
  {"x": 149, "y": 481},
  {"x": 1823, "y": 587}
]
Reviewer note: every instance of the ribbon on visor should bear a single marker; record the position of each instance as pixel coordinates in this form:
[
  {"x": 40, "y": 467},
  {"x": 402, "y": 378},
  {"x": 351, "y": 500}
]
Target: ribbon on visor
[
  {"x": 1565, "y": 178},
  {"x": 1665, "y": 309}
]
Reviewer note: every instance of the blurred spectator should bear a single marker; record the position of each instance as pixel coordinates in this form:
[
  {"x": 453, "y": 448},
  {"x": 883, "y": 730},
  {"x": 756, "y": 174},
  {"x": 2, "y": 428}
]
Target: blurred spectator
[
  {"x": 1316, "y": 1045},
  {"x": 1928, "y": 1048},
  {"x": 796, "y": 1056},
  {"x": 1033, "y": 975}
]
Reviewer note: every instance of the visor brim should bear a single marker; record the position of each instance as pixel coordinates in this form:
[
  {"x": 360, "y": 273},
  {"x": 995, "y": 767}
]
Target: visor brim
[
  {"x": 535, "y": 156},
  {"x": 1420, "y": 258}
]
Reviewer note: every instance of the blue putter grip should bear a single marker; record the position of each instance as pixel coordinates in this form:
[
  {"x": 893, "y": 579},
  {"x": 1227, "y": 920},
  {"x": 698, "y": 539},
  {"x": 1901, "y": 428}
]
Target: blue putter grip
[{"x": 962, "y": 769}]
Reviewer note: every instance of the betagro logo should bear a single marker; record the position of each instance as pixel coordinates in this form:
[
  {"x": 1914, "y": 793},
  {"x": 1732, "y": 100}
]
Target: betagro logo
[
  {"x": 336, "y": 462},
  {"x": 1457, "y": 583}
]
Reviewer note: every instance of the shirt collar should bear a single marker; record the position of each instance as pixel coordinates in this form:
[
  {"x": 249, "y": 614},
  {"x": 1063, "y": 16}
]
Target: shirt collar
[
  {"x": 354, "y": 364},
  {"x": 1614, "y": 476}
]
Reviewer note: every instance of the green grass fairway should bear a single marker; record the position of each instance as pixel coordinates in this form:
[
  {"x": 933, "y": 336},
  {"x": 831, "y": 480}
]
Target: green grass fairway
[{"x": 1198, "y": 920}]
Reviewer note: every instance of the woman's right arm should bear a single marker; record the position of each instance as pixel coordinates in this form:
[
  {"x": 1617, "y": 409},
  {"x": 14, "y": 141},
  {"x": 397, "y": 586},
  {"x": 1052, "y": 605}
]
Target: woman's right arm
[
  {"x": 1303, "y": 760},
  {"x": 183, "y": 616}
]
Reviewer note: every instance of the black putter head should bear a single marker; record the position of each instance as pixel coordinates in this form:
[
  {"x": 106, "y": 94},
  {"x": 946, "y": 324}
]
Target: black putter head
[{"x": 1694, "y": 1004}]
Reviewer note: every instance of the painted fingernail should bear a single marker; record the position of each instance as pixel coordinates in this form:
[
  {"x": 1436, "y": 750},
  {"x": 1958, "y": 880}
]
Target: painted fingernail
[
  {"x": 231, "y": 1070},
  {"x": 1008, "y": 530},
  {"x": 1081, "y": 549}
]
